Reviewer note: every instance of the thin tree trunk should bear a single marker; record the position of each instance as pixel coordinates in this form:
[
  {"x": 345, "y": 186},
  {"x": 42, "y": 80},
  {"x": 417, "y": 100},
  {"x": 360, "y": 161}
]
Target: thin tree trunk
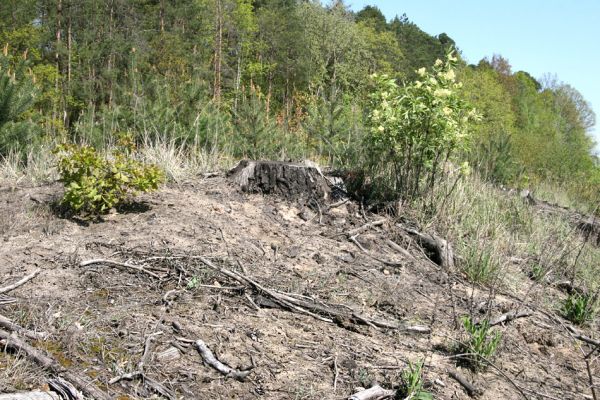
[
  {"x": 162, "y": 16},
  {"x": 218, "y": 51}
]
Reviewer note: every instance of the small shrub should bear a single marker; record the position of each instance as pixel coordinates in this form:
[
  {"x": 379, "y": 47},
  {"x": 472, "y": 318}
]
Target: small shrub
[
  {"x": 94, "y": 184},
  {"x": 412, "y": 383},
  {"x": 481, "y": 343},
  {"x": 480, "y": 265},
  {"x": 580, "y": 308}
]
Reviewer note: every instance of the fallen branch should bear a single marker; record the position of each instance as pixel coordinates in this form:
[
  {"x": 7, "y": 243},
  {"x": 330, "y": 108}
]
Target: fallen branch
[
  {"x": 310, "y": 308},
  {"x": 210, "y": 359},
  {"x": 7, "y": 300},
  {"x": 139, "y": 373},
  {"x": 35, "y": 395},
  {"x": 21, "y": 282},
  {"x": 12, "y": 327},
  {"x": 364, "y": 227},
  {"x": 12, "y": 341},
  {"x": 400, "y": 249},
  {"x": 118, "y": 264},
  {"x": 374, "y": 393},
  {"x": 575, "y": 334},
  {"x": 510, "y": 316},
  {"x": 471, "y": 389}
]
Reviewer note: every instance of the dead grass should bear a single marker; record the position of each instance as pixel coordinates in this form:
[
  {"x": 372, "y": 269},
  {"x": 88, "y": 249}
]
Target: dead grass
[{"x": 503, "y": 242}]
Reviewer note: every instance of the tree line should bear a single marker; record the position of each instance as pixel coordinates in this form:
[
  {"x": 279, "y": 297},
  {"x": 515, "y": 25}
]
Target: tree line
[{"x": 264, "y": 78}]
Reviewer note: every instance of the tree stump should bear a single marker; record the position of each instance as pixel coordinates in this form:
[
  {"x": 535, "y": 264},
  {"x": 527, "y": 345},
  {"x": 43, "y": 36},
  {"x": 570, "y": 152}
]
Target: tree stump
[{"x": 288, "y": 180}]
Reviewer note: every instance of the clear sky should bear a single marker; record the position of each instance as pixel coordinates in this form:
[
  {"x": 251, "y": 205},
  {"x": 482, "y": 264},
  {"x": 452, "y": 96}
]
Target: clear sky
[{"x": 559, "y": 37}]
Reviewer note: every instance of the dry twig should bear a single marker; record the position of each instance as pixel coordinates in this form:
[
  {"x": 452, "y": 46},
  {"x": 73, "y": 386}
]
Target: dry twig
[{"x": 21, "y": 282}]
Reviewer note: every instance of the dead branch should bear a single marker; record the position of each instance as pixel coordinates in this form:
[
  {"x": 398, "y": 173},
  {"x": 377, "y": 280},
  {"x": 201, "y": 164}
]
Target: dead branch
[
  {"x": 591, "y": 378},
  {"x": 118, "y": 264},
  {"x": 374, "y": 393},
  {"x": 82, "y": 383},
  {"x": 7, "y": 300},
  {"x": 65, "y": 390},
  {"x": 210, "y": 359},
  {"x": 400, "y": 249},
  {"x": 336, "y": 374},
  {"x": 575, "y": 334},
  {"x": 21, "y": 282},
  {"x": 309, "y": 307},
  {"x": 471, "y": 389},
  {"x": 147, "y": 350},
  {"x": 510, "y": 316},
  {"x": 12, "y": 327},
  {"x": 364, "y": 227},
  {"x": 35, "y": 395}
]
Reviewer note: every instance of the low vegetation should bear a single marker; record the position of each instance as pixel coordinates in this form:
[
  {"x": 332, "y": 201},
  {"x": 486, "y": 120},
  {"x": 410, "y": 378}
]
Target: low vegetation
[
  {"x": 480, "y": 345},
  {"x": 416, "y": 132},
  {"x": 95, "y": 184}
]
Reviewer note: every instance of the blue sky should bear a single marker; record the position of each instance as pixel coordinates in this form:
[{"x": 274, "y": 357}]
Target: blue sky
[{"x": 538, "y": 36}]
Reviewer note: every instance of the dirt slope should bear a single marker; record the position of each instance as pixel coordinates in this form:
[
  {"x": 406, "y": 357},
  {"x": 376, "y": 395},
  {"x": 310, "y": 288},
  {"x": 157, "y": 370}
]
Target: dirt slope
[{"x": 100, "y": 317}]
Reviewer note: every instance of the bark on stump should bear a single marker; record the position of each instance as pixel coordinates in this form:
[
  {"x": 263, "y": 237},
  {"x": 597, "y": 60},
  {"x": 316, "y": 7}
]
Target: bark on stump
[{"x": 288, "y": 180}]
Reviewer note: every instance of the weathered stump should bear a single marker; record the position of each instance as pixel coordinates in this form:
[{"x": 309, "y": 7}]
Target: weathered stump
[{"x": 284, "y": 179}]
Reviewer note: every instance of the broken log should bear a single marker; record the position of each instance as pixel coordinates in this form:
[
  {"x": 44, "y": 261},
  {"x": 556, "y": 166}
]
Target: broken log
[
  {"x": 288, "y": 180},
  {"x": 82, "y": 383},
  {"x": 209, "y": 358},
  {"x": 471, "y": 389},
  {"x": 374, "y": 393},
  {"x": 35, "y": 395},
  {"x": 12, "y": 327},
  {"x": 436, "y": 248}
]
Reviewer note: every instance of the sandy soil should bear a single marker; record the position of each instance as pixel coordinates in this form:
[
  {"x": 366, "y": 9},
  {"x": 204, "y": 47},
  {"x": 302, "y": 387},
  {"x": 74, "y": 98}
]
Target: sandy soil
[{"x": 100, "y": 316}]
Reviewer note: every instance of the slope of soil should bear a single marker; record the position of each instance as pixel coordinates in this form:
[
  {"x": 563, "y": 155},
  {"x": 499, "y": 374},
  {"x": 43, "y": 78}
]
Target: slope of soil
[{"x": 101, "y": 317}]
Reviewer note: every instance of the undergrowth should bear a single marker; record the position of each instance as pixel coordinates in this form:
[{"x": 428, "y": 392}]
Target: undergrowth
[{"x": 481, "y": 343}]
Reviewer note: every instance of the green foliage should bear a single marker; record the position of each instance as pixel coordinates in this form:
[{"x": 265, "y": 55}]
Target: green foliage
[
  {"x": 255, "y": 134},
  {"x": 480, "y": 264},
  {"x": 94, "y": 184},
  {"x": 414, "y": 130},
  {"x": 17, "y": 95},
  {"x": 411, "y": 386},
  {"x": 481, "y": 343},
  {"x": 580, "y": 308}
]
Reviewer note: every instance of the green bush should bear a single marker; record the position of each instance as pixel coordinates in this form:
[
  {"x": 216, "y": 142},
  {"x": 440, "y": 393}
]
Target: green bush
[
  {"x": 414, "y": 130},
  {"x": 481, "y": 343},
  {"x": 94, "y": 184},
  {"x": 580, "y": 308}
]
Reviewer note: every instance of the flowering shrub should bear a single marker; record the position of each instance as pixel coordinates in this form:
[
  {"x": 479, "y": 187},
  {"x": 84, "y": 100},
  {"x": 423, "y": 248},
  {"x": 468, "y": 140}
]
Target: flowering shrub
[{"x": 414, "y": 129}]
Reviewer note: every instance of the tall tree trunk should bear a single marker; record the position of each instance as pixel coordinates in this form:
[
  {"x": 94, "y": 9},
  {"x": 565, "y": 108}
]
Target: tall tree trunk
[
  {"x": 57, "y": 54},
  {"x": 238, "y": 77},
  {"x": 218, "y": 50},
  {"x": 110, "y": 56}
]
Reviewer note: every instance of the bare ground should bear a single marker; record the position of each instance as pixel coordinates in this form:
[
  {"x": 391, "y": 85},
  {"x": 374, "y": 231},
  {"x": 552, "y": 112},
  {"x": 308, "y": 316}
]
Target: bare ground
[{"x": 100, "y": 317}]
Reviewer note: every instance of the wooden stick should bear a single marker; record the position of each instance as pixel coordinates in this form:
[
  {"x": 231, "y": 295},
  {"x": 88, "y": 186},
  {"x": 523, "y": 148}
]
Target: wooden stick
[
  {"x": 119, "y": 265},
  {"x": 210, "y": 359},
  {"x": 82, "y": 383},
  {"x": 21, "y": 282},
  {"x": 336, "y": 374}
]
